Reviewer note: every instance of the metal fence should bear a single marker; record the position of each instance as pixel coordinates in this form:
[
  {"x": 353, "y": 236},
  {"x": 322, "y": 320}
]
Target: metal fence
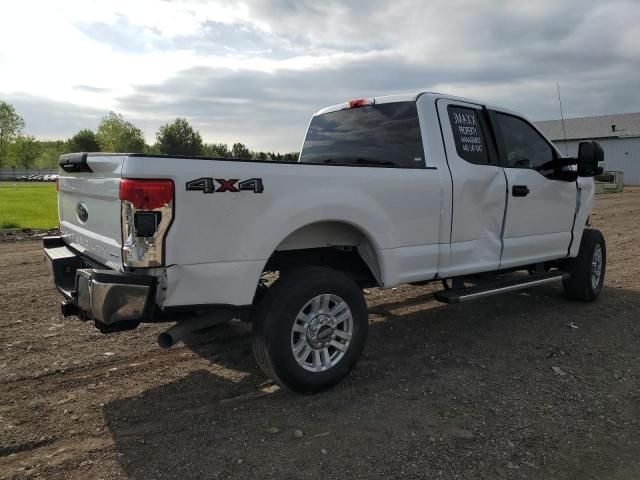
[{"x": 14, "y": 173}]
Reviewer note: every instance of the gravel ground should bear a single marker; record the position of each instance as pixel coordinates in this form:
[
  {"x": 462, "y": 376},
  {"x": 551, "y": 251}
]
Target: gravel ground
[{"x": 498, "y": 388}]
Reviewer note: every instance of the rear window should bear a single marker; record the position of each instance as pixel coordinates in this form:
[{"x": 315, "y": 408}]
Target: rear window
[{"x": 378, "y": 135}]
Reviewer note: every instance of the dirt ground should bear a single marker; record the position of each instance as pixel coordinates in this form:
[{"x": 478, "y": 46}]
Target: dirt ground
[{"x": 498, "y": 388}]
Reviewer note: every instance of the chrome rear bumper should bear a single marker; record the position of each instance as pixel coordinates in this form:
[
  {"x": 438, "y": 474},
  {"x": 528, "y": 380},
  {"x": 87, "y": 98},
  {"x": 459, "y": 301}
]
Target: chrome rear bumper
[{"x": 94, "y": 292}]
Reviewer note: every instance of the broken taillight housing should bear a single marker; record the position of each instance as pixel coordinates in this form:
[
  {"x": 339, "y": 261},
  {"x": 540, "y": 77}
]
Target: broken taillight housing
[{"x": 146, "y": 208}]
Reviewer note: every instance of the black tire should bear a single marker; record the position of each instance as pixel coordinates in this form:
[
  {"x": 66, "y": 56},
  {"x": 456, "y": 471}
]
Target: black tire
[
  {"x": 274, "y": 320},
  {"x": 580, "y": 286}
]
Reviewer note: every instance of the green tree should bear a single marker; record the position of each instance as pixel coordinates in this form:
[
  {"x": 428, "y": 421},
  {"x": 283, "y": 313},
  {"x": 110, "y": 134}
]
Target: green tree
[
  {"x": 290, "y": 157},
  {"x": 11, "y": 125},
  {"x": 115, "y": 134},
  {"x": 239, "y": 150},
  {"x": 179, "y": 138},
  {"x": 51, "y": 151},
  {"x": 25, "y": 150},
  {"x": 152, "y": 149},
  {"x": 84, "y": 141},
  {"x": 216, "y": 150}
]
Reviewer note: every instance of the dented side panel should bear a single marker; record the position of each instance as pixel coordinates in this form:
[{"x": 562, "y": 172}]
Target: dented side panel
[{"x": 478, "y": 207}]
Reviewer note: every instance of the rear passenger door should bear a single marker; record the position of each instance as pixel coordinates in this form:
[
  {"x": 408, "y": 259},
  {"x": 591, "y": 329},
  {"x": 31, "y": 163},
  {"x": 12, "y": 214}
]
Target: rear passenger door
[
  {"x": 540, "y": 208},
  {"x": 478, "y": 189}
]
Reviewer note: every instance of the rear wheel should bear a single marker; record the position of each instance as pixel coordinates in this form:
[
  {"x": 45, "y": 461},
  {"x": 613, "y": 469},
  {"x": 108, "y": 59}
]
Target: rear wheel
[
  {"x": 310, "y": 329},
  {"x": 587, "y": 270}
]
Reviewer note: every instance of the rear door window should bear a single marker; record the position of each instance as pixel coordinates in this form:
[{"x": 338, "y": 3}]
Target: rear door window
[
  {"x": 469, "y": 130},
  {"x": 386, "y": 135}
]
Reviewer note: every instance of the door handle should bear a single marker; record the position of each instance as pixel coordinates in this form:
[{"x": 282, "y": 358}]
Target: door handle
[{"x": 520, "y": 190}]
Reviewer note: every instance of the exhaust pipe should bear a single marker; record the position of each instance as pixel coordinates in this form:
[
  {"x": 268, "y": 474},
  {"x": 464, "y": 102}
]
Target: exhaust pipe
[{"x": 182, "y": 329}]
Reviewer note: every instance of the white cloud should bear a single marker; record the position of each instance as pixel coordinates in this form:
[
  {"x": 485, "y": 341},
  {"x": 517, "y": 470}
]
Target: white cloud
[{"x": 48, "y": 53}]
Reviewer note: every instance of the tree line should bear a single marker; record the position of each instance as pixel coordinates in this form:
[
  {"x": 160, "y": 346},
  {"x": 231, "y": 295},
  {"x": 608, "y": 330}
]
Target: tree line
[{"x": 114, "y": 134}]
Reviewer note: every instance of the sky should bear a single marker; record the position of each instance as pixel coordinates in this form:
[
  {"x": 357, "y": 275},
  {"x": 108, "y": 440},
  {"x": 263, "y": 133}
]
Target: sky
[{"x": 255, "y": 71}]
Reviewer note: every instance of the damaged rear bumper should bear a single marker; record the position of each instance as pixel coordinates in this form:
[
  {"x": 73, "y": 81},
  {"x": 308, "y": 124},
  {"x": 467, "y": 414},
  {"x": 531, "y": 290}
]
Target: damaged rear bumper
[{"x": 91, "y": 291}]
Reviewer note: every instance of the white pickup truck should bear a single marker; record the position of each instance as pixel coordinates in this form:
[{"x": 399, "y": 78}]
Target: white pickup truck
[{"x": 398, "y": 189}]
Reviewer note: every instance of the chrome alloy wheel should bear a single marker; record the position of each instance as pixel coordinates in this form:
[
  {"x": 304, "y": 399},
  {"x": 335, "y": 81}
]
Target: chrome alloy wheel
[
  {"x": 596, "y": 266},
  {"x": 321, "y": 333}
]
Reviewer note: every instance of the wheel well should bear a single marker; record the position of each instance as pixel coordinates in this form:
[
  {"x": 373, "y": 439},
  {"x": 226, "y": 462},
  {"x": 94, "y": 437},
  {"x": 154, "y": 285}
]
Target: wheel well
[
  {"x": 332, "y": 244},
  {"x": 345, "y": 259}
]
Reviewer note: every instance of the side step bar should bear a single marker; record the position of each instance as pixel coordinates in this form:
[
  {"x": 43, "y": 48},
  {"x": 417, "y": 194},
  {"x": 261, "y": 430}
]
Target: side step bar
[{"x": 458, "y": 295}]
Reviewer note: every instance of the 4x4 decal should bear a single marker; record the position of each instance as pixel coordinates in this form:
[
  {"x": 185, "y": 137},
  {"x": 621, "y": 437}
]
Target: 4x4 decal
[{"x": 208, "y": 185}]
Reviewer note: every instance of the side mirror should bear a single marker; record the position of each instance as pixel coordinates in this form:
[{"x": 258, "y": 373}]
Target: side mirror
[{"x": 590, "y": 154}]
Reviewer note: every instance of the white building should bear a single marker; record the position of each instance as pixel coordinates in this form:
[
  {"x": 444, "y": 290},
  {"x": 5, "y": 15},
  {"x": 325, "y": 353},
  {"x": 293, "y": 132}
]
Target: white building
[{"x": 619, "y": 136}]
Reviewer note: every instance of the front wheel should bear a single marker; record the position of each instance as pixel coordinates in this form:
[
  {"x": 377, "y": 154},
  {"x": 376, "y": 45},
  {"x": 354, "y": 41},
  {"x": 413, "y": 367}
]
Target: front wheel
[
  {"x": 310, "y": 329},
  {"x": 588, "y": 268}
]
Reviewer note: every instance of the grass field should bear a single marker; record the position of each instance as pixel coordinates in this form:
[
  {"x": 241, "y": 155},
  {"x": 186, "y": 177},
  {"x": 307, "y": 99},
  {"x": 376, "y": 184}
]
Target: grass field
[{"x": 25, "y": 205}]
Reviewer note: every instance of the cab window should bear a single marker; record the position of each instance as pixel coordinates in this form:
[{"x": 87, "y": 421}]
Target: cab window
[{"x": 385, "y": 135}]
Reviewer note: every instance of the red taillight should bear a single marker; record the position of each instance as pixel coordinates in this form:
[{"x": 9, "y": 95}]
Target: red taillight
[
  {"x": 146, "y": 194},
  {"x": 360, "y": 102},
  {"x": 57, "y": 184}
]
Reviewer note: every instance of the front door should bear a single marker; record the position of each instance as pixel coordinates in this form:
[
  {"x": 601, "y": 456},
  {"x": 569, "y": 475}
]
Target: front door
[
  {"x": 478, "y": 190},
  {"x": 540, "y": 209}
]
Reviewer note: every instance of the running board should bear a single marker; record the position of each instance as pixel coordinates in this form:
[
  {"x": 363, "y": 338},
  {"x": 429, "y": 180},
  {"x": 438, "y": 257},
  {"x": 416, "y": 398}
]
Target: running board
[{"x": 457, "y": 295}]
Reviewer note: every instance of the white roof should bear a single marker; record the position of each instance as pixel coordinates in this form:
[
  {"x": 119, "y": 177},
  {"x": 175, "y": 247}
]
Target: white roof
[
  {"x": 583, "y": 128},
  {"x": 400, "y": 97},
  {"x": 409, "y": 97}
]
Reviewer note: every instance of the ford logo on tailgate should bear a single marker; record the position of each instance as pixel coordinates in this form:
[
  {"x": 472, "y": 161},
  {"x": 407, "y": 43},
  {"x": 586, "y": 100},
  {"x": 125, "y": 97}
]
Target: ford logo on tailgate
[{"x": 82, "y": 212}]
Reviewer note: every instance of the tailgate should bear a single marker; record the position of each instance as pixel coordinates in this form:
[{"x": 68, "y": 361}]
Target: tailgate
[{"x": 89, "y": 205}]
